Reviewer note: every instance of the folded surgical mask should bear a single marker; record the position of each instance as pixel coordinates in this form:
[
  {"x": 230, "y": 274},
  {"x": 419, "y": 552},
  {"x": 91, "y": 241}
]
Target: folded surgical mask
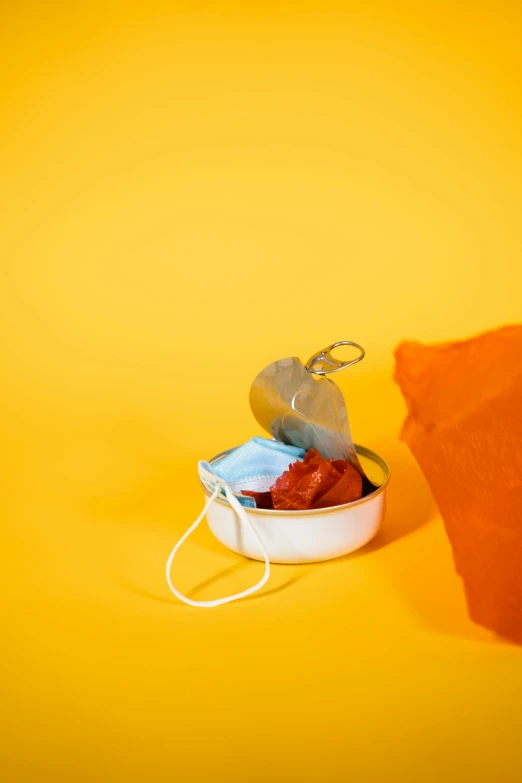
[{"x": 254, "y": 466}]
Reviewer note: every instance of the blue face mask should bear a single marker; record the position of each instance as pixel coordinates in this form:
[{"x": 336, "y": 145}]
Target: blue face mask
[{"x": 254, "y": 466}]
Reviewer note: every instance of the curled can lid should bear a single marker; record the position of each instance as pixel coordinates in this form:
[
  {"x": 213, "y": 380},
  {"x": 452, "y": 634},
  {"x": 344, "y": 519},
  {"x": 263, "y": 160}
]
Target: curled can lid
[{"x": 298, "y": 405}]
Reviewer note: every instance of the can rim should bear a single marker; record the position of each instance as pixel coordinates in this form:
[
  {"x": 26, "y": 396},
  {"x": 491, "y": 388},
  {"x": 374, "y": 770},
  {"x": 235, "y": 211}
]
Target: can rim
[{"x": 363, "y": 451}]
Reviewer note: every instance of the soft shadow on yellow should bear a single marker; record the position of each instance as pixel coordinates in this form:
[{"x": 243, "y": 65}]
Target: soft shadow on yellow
[
  {"x": 409, "y": 503},
  {"x": 196, "y": 592},
  {"x": 422, "y": 569}
]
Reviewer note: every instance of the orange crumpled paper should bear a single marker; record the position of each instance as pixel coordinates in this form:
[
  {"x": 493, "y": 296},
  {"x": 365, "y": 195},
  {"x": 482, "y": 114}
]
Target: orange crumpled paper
[{"x": 464, "y": 428}]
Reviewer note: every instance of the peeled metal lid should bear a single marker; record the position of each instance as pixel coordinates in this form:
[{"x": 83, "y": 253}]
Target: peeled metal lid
[{"x": 300, "y": 406}]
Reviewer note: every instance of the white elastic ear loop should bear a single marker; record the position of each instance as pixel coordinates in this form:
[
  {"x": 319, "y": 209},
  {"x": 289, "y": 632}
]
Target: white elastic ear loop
[{"x": 240, "y": 511}]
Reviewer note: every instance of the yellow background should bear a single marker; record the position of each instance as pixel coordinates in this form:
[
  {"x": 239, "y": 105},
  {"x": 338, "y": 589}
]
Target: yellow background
[{"x": 190, "y": 191}]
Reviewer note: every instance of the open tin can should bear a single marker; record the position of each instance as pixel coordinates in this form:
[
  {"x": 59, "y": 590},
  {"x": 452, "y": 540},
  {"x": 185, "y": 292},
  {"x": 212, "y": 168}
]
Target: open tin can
[
  {"x": 302, "y": 408},
  {"x": 305, "y": 536}
]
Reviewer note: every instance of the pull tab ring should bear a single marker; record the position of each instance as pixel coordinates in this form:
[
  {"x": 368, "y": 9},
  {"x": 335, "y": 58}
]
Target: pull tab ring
[{"x": 323, "y": 363}]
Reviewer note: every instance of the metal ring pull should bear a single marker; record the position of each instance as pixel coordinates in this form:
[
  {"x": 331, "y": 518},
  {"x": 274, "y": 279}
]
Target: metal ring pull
[{"x": 323, "y": 363}]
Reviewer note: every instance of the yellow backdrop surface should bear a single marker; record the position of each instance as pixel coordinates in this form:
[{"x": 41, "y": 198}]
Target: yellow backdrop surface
[{"x": 191, "y": 190}]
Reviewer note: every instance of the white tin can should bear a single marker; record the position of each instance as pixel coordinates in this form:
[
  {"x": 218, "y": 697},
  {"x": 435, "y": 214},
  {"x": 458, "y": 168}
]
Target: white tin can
[{"x": 305, "y": 536}]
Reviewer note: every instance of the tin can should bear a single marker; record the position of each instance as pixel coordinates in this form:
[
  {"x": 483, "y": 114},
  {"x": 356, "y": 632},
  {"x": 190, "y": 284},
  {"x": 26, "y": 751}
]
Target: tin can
[{"x": 305, "y": 536}]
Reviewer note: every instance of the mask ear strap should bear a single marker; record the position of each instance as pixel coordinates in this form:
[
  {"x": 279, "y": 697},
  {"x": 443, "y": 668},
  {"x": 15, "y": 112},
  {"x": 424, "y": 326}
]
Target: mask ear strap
[{"x": 243, "y": 517}]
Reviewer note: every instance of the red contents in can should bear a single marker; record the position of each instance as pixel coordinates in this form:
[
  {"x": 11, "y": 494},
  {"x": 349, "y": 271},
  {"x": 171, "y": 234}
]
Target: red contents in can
[{"x": 313, "y": 483}]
